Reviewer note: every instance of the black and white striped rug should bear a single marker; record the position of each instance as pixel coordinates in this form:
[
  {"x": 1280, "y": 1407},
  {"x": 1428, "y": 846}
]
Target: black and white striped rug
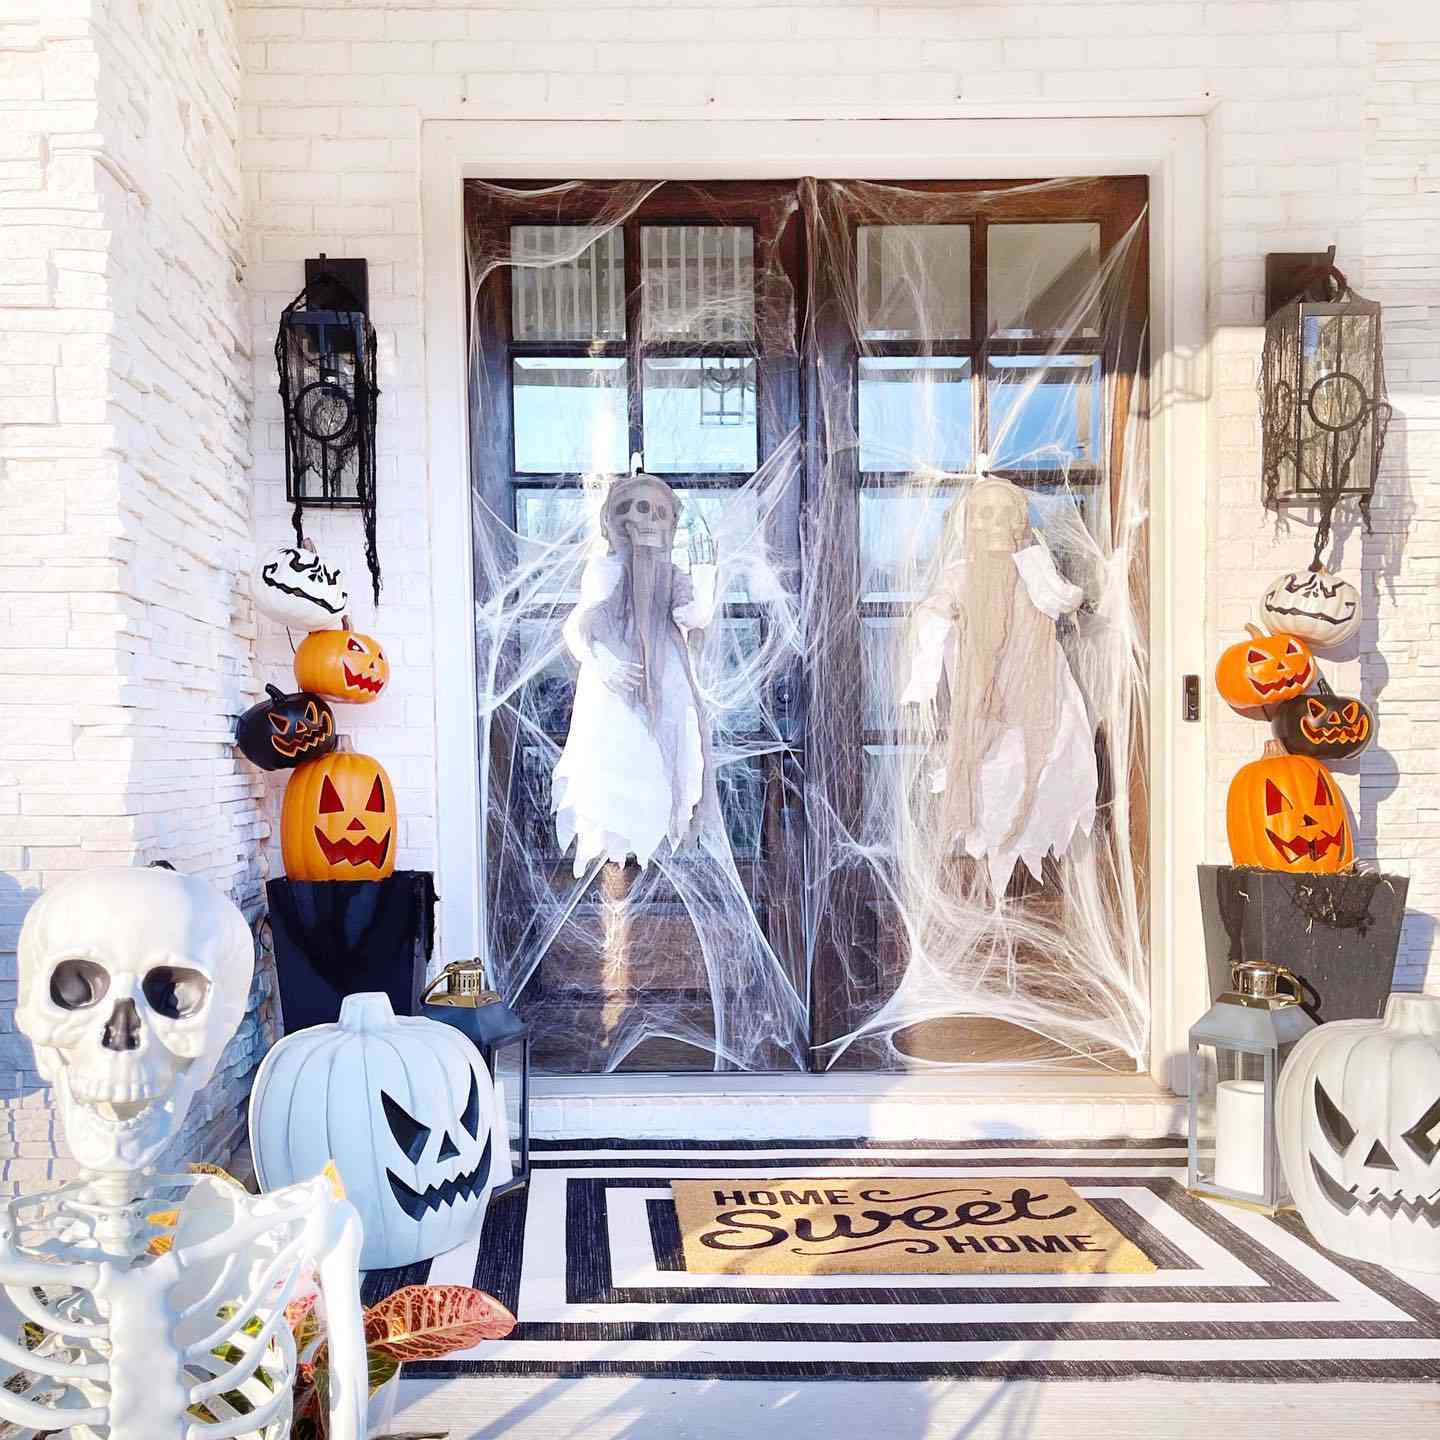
[{"x": 589, "y": 1259}]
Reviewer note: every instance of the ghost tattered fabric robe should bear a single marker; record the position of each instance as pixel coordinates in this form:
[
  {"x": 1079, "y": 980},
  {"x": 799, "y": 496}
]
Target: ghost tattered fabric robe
[
  {"x": 636, "y": 770},
  {"x": 1020, "y": 774}
]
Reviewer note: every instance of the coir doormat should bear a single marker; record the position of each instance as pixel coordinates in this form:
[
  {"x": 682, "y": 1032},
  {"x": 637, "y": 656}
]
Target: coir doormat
[
  {"x": 591, "y": 1260},
  {"x": 830, "y": 1225}
]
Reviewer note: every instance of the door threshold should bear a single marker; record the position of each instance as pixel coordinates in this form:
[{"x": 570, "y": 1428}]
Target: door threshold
[{"x": 949, "y": 1105}]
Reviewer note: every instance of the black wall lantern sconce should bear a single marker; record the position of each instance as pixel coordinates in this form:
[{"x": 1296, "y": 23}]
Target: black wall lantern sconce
[
  {"x": 1323, "y": 410},
  {"x": 325, "y": 359}
]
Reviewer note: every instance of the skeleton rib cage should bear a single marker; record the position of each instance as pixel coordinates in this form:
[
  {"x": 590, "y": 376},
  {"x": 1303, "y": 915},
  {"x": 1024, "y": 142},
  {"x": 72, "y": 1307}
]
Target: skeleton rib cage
[{"x": 107, "y": 1340}]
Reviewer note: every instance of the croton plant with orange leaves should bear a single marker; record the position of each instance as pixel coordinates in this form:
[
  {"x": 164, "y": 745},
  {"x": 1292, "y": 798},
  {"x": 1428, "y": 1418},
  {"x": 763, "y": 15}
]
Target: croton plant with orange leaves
[{"x": 420, "y": 1322}]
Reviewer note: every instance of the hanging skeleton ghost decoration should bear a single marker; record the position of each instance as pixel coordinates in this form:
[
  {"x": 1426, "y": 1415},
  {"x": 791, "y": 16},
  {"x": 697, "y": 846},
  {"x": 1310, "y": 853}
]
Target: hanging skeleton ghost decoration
[
  {"x": 636, "y": 769},
  {"x": 135, "y": 1304},
  {"x": 294, "y": 586},
  {"x": 1020, "y": 774}
]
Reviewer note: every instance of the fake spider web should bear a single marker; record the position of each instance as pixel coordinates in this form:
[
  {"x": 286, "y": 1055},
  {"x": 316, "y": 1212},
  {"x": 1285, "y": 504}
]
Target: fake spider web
[{"x": 837, "y": 926}]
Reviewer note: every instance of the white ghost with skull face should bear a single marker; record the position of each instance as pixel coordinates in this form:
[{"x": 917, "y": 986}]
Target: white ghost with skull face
[
  {"x": 1358, "y": 1121},
  {"x": 131, "y": 983}
]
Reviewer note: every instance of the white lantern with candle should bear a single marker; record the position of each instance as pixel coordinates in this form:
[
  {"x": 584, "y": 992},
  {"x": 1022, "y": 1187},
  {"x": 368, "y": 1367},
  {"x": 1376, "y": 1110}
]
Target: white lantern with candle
[{"x": 1236, "y": 1054}]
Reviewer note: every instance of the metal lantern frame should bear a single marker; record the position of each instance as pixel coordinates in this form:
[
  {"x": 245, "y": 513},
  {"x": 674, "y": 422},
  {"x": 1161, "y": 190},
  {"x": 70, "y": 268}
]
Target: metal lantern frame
[
  {"x": 498, "y": 1033},
  {"x": 1322, "y": 434},
  {"x": 325, "y": 363},
  {"x": 1265, "y": 1026}
]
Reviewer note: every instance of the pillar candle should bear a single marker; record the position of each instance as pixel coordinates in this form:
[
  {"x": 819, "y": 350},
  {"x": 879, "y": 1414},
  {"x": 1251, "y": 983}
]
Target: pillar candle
[{"x": 1240, "y": 1136}]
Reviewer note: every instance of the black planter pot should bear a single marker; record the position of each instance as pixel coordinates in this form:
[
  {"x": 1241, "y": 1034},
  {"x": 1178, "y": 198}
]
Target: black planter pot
[
  {"x": 1338, "y": 933},
  {"x": 335, "y": 938}
]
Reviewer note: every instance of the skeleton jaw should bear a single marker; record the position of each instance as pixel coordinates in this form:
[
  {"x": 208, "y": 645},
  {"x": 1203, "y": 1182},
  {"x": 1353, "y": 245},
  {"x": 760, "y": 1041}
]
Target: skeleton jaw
[{"x": 120, "y": 1127}]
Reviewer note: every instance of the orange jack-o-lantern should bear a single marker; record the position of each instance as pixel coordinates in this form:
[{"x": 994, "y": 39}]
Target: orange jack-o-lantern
[
  {"x": 343, "y": 665},
  {"x": 1259, "y": 671},
  {"x": 338, "y": 820},
  {"x": 1285, "y": 812}
]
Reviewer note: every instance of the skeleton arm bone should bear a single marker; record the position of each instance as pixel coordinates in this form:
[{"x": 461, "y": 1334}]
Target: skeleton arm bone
[
  {"x": 335, "y": 1236},
  {"x": 695, "y": 597},
  {"x": 602, "y": 574}
]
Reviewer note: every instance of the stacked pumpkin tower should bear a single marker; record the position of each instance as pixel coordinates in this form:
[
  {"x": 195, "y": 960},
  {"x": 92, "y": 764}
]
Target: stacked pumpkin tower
[
  {"x": 338, "y": 819},
  {"x": 1285, "y": 811}
]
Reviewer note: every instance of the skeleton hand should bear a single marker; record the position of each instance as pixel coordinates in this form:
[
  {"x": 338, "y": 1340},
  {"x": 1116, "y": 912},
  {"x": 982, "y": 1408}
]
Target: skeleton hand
[
  {"x": 624, "y": 677},
  {"x": 702, "y": 545}
]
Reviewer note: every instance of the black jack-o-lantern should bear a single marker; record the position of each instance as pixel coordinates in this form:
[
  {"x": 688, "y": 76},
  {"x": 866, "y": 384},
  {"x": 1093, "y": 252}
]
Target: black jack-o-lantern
[
  {"x": 1324, "y": 725},
  {"x": 286, "y": 730}
]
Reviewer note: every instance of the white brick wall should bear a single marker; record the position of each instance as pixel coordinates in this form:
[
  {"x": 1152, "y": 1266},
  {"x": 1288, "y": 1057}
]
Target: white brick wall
[{"x": 126, "y": 634}]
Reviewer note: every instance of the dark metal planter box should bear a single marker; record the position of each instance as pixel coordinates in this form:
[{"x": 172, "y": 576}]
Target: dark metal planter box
[
  {"x": 335, "y": 938},
  {"x": 1338, "y": 933}
]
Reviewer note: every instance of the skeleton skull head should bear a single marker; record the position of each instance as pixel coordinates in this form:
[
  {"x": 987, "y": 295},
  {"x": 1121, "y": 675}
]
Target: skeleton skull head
[
  {"x": 640, "y": 510},
  {"x": 131, "y": 983},
  {"x": 995, "y": 517}
]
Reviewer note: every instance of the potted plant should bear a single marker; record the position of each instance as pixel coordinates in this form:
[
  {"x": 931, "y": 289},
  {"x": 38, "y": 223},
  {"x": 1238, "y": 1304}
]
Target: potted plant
[{"x": 420, "y": 1322}]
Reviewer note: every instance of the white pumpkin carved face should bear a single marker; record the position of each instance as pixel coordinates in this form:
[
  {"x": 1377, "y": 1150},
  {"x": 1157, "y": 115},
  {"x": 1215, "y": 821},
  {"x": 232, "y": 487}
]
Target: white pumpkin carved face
[
  {"x": 1321, "y": 608},
  {"x": 297, "y": 588},
  {"x": 1359, "y": 1128},
  {"x": 404, "y": 1106}
]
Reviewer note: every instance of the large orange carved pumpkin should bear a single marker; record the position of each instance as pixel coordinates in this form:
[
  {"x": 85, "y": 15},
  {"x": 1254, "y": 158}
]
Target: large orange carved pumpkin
[
  {"x": 1285, "y": 812},
  {"x": 1259, "y": 671},
  {"x": 343, "y": 665},
  {"x": 338, "y": 820}
]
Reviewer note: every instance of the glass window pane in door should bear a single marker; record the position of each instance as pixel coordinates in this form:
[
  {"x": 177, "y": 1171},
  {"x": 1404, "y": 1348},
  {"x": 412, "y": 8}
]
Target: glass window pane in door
[
  {"x": 699, "y": 415},
  {"x": 570, "y": 415},
  {"x": 567, "y": 282},
  {"x": 1045, "y": 412},
  {"x": 915, "y": 413},
  {"x": 913, "y": 281},
  {"x": 698, "y": 283},
  {"x": 899, "y": 537},
  {"x": 1041, "y": 278}
]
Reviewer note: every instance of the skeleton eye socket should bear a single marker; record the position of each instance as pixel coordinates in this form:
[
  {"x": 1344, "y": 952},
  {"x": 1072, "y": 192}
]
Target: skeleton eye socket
[
  {"x": 410, "y": 1135},
  {"x": 642, "y": 507},
  {"x": 175, "y": 992},
  {"x": 1333, "y": 1125},
  {"x": 78, "y": 984},
  {"x": 1423, "y": 1137},
  {"x": 1275, "y": 802},
  {"x": 470, "y": 1116},
  {"x": 623, "y": 508}
]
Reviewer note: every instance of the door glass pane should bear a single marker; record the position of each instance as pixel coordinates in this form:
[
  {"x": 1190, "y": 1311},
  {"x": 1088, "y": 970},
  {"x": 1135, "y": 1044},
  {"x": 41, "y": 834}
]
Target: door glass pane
[
  {"x": 1045, "y": 411},
  {"x": 1037, "y": 276},
  {"x": 913, "y": 281},
  {"x": 899, "y": 536},
  {"x": 915, "y": 412},
  {"x": 698, "y": 282},
  {"x": 567, "y": 282},
  {"x": 570, "y": 415},
  {"x": 700, "y": 415}
]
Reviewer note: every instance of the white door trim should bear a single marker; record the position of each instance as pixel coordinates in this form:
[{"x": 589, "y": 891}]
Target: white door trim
[{"x": 1170, "y": 149}]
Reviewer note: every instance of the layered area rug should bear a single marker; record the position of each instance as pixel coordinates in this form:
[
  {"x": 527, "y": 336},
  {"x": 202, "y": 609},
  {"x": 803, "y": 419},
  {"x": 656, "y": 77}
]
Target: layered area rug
[{"x": 592, "y": 1261}]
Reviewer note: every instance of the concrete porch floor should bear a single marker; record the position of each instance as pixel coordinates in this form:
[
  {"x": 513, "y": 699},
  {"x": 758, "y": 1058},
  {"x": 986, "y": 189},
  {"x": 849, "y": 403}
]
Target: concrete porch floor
[{"x": 482, "y": 1408}]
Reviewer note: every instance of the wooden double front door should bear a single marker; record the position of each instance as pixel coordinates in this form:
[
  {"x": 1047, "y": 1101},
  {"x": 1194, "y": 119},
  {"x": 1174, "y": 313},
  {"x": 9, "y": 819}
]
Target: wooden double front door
[{"x": 817, "y": 368}]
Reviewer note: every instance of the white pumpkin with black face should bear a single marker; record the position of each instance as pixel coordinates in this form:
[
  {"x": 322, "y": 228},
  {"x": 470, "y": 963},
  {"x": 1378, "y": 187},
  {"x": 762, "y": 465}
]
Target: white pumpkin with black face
[
  {"x": 1321, "y": 608},
  {"x": 297, "y": 588},
  {"x": 1358, "y": 1119},
  {"x": 404, "y": 1107}
]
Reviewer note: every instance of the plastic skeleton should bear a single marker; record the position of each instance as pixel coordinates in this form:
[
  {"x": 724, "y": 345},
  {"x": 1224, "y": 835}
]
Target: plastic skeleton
[
  {"x": 1020, "y": 775},
  {"x": 131, "y": 983},
  {"x": 637, "y": 768}
]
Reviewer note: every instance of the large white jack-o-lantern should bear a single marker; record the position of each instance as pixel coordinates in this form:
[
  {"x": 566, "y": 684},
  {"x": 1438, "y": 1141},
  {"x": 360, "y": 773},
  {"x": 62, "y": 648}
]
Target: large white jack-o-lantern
[
  {"x": 1358, "y": 1116},
  {"x": 404, "y": 1107}
]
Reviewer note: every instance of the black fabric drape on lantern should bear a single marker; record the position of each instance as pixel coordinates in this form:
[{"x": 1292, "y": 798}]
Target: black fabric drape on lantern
[{"x": 335, "y": 938}]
